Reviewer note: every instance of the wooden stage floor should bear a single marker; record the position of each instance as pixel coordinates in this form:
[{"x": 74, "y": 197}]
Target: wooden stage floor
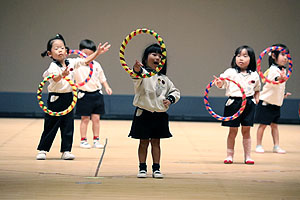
[{"x": 192, "y": 162}]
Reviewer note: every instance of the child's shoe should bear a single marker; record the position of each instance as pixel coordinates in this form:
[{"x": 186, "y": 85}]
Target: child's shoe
[
  {"x": 157, "y": 174},
  {"x": 142, "y": 174},
  {"x": 84, "y": 144},
  {"x": 277, "y": 149},
  {"x": 259, "y": 149},
  {"x": 228, "y": 160},
  {"x": 97, "y": 144},
  {"x": 67, "y": 156},
  {"x": 41, "y": 155},
  {"x": 249, "y": 161}
]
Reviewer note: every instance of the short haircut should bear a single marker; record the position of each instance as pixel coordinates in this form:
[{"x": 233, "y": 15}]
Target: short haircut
[{"x": 87, "y": 44}]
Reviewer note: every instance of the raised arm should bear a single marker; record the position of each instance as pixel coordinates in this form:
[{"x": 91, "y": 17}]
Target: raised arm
[{"x": 100, "y": 50}]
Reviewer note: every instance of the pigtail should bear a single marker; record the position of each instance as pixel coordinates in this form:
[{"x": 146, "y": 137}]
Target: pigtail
[{"x": 45, "y": 53}]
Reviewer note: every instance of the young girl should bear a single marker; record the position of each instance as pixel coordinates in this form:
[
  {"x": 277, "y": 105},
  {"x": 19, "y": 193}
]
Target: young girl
[
  {"x": 60, "y": 96},
  {"x": 271, "y": 99},
  {"x": 90, "y": 102},
  {"x": 153, "y": 96},
  {"x": 243, "y": 71}
]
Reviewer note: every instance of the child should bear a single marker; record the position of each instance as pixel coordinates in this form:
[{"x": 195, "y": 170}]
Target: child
[
  {"x": 60, "y": 97},
  {"x": 152, "y": 99},
  {"x": 90, "y": 104},
  {"x": 271, "y": 99},
  {"x": 243, "y": 71}
]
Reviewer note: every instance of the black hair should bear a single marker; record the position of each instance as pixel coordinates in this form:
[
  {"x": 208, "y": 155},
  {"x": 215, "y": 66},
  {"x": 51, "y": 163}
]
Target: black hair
[
  {"x": 50, "y": 43},
  {"x": 251, "y": 53},
  {"x": 276, "y": 54},
  {"x": 154, "y": 48},
  {"x": 87, "y": 44}
]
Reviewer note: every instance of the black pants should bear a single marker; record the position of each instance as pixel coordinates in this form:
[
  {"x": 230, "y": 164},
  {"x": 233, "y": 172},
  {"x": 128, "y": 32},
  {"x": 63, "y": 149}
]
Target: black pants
[{"x": 52, "y": 123}]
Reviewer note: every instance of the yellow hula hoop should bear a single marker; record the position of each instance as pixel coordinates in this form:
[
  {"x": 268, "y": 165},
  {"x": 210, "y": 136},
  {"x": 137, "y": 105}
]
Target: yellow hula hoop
[
  {"x": 125, "y": 42},
  {"x": 41, "y": 103}
]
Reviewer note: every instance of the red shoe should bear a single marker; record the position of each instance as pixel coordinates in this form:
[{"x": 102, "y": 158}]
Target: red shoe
[
  {"x": 249, "y": 161},
  {"x": 228, "y": 161}
]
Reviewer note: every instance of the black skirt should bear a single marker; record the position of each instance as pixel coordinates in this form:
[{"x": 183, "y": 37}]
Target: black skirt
[{"x": 147, "y": 125}]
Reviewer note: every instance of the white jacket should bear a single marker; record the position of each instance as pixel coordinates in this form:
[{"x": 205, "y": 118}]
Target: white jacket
[{"x": 150, "y": 92}]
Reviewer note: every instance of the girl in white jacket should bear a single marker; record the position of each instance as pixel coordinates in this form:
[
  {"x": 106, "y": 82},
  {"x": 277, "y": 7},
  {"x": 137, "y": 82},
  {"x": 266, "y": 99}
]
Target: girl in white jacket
[{"x": 152, "y": 99}]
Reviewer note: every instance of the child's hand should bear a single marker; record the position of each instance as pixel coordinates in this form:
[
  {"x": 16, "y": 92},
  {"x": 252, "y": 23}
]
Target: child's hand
[
  {"x": 66, "y": 72},
  {"x": 137, "y": 66},
  {"x": 166, "y": 103},
  {"x": 103, "y": 48},
  {"x": 218, "y": 82},
  {"x": 108, "y": 90},
  {"x": 287, "y": 94},
  {"x": 282, "y": 75}
]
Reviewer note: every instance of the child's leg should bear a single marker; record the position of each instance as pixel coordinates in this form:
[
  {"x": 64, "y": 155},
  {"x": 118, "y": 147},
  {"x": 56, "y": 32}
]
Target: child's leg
[
  {"x": 155, "y": 150},
  {"x": 247, "y": 144},
  {"x": 275, "y": 134},
  {"x": 143, "y": 150},
  {"x": 83, "y": 132},
  {"x": 96, "y": 125},
  {"x": 84, "y": 125},
  {"x": 231, "y": 137},
  {"x": 67, "y": 131},
  {"x": 260, "y": 133},
  {"x": 230, "y": 144},
  {"x": 51, "y": 125},
  {"x": 96, "y": 130}
]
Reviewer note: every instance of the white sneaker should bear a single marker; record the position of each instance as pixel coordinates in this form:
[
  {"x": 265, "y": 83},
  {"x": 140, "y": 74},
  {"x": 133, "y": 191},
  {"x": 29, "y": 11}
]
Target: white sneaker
[
  {"x": 259, "y": 149},
  {"x": 98, "y": 145},
  {"x": 277, "y": 149},
  {"x": 157, "y": 174},
  {"x": 142, "y": 174},
  {"x": 67, "y": 156},
  {"x": 84, "y": 144},
  {"x": 41, "y": 155}
]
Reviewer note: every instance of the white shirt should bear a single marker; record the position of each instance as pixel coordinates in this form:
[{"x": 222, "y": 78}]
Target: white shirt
[
  {"x": 249, "y": 81},
  {"x": 62, "y": 86},
  {"x": 273, "y": 93},
  {"x": 98, "y": 77}
]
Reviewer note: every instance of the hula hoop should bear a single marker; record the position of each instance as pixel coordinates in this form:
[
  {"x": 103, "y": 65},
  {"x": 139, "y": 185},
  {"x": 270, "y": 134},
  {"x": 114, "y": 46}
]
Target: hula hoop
[
  {"x": 266, "y": 73},
  {"x": 122, "y": 52},
  {"x": 218, "y": 117},
  {"x": 41, "y": 103},
  {"x": 264, "y": 52},
  {"x": 80, "y": 53}
]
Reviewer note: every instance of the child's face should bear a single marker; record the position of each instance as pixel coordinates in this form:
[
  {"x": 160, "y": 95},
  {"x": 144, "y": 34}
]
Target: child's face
[
  {"x": 58, "y": 50},
  {"x": 282, "y": 59},
  {"x": 88, "y": 52},
  {"x": 153, "y": 60},
  {"x": 242, "y": 60}
]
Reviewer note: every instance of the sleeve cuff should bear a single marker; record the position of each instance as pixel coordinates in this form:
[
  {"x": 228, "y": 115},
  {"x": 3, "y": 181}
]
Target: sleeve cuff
[{"x": 171, "y": 99}]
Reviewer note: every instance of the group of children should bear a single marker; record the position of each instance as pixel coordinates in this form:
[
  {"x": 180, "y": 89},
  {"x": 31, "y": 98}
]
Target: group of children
[
  {"x": 90, "y": 103},
  {"x": 269, "y": 100},
  {"x": 153, "y": 96}
]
